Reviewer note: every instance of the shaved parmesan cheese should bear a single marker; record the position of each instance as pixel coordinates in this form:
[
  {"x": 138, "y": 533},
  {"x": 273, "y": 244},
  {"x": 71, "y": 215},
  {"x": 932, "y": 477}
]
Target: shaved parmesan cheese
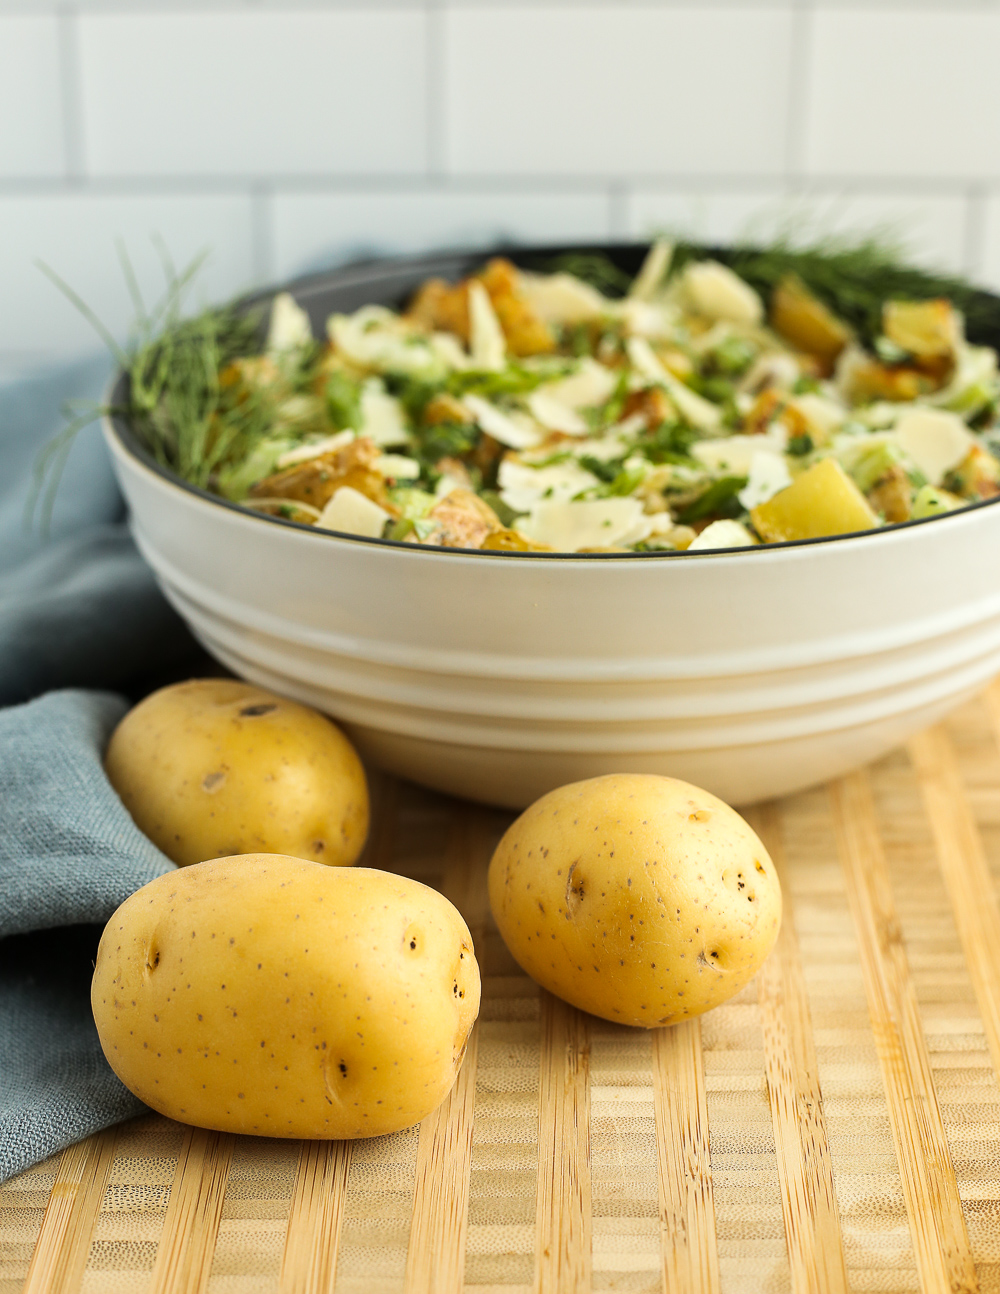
[
  {"x": 382, "y": 415},
  {"x": 723, "y": 534},
  {"x": 554, "y": 415},
  {"x": 448, "y": 349},
  {"x": 586, "y": 523},
  {"x": 591, "y": 384},
  {"x": 374, "y": 337},
  {"x": 654, "y": 270},
  {"x": 353, "y": 513},
  {"x": 487, "y": 344},
  {"x": 398, "y": 466},
  {"x": 700, "y": 413},
  {"x": 515, "y": 430},
  {"x": 936, "y": 441},
  {"x": 768, "y": 474},
  {"x": 644, "y": 319},
  {"x": 523, "y": 488},
  {"x": 734, "y": 454},
  {"x": 303, "y": 453},
  {"x": 713, "y": 290},
  {"x": 289, "y": 328},
  {"x": 822, "y": 416},
  {"x": 562, "y": 298}
]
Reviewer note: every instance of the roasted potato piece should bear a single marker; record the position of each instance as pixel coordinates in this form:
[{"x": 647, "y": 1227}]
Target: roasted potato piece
[
  {"x": 438, "y": 306},
  {"x": 317, "y": 480},
  {"x": 976, "y": 476},
  {"x": 509, "y": 541},
  {"x": 822, "y": 501},
  {"x": 445, "y": 408},
  {"x": 927, "y": 329},
  {"x": 863, "y": 379},
  {"x": 892, "y": 494},
  {"x": 652, "y": 404},
  {"x": 463, "y": 520},
  {"x": 804, "y": 321}
]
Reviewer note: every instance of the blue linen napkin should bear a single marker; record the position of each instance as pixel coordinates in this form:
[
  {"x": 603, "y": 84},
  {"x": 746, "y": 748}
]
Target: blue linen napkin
[{"x": 78, "y": 609}]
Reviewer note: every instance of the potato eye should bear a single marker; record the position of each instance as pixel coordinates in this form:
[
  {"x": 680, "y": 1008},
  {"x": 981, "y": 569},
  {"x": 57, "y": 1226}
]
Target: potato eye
[{"x": 253, "y": 711}]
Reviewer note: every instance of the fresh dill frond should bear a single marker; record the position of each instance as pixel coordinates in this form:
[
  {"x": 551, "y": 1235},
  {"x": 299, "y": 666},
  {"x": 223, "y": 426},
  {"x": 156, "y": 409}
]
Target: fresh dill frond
[
  {"x": 852, "y": 275},
  {"x": 174, "y": 400},
  {"x": 595, "y": 268}
]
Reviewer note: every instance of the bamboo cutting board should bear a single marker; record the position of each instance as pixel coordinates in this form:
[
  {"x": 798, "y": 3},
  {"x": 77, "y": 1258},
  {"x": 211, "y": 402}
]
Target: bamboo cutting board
[{"x": 836, "y": 1126}]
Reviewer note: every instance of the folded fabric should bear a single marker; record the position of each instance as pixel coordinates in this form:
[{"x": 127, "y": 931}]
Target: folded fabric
[
  {"x": 78, "y": 608},
  {"x": 69, "y": 854}
]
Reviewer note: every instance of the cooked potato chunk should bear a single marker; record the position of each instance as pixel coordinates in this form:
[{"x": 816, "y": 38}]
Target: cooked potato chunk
[
  {"x": 804, "y": 321},
  {"x": 822, "y": 501}
]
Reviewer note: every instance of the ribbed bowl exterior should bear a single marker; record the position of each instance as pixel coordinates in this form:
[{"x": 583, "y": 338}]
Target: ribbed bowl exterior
[{"x": 752, "y": 673}]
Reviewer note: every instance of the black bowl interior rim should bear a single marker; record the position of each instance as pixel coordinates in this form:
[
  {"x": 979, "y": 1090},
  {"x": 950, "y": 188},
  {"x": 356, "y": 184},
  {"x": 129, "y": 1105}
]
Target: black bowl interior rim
[{"x": 387, "y": 281}]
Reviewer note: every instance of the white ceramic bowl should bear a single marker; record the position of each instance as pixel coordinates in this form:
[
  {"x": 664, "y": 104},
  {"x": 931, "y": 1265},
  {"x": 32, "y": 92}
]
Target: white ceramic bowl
[{"x": 752, "y": 673}]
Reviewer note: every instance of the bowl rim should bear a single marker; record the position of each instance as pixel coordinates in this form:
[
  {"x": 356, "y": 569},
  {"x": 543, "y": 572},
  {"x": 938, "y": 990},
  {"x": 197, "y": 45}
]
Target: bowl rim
[{"x": 361, "y": 272}]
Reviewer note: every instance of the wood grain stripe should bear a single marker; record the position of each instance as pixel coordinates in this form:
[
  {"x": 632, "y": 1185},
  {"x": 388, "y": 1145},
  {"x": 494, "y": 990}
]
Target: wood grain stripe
[
  {"x": 435, "y": 1256},
  {"x": 965, "y": 870},
  {"x": 805, "y": 1169},
  {"x": 930, "y": 1190},
  {"x": 191, "y": 1227},
  {"x": 688, "y": 1241},
  {"x": 315, "y": 1218},
  {"x": 563, "y": 1242},
  {"x": 60, "y": 1255}
]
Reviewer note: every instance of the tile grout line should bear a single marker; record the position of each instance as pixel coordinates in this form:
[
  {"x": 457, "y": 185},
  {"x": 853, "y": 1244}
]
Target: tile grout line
[
  {"x": 71, "y": 95},
  {"x": 436, "y": 89},
  {"x": 797, "y": 101}
]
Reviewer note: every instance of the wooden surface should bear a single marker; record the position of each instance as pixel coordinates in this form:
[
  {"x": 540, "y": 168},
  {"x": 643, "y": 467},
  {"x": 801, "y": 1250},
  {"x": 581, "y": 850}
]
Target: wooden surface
[{"x": 835, "y": 1127}]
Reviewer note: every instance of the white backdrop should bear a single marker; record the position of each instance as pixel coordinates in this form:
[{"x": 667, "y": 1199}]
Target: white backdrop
[{"x": 282, "y": 135}]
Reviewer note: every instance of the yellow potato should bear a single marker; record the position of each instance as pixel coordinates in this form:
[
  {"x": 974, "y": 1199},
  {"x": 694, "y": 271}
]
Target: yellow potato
[
  {"x": 638, "y": 898},
  {"x": 214, "y": 767},
  {"x": 264, "y": 994},
  {"x": 822, "y": 501}
]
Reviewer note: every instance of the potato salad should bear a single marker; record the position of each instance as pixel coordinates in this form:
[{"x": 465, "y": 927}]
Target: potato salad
[{"x": 522, "y": 411}]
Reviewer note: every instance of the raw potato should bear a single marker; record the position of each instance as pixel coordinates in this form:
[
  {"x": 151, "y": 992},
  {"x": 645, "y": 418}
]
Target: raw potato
[
  {"x": 214, "y": 767},
  {"x": 638, "y": 898},
  {"x": 264, "y": 994}
]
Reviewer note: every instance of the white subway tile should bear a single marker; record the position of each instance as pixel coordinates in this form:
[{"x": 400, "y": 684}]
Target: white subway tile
[
  {"x": 31, "y": 111},
  {"x": 930, "y": 229},
  {"x": 254, "y": 93},
  {"x": 75, "y": 234},
  {"x": 894, "y": 93},
  {"x": 617, "y": 90},
  {"x": 313, "y": 229}
]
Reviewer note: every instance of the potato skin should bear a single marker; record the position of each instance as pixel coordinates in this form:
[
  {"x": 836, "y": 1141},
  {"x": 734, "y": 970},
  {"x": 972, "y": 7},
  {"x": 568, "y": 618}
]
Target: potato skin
[
  {"x": 264, "y": 994},
  {"x": 638, "y": 898},
  {"x": 215, "y": 767}
]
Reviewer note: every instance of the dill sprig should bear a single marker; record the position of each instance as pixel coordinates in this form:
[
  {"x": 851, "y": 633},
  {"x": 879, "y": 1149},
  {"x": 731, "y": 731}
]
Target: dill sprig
[
  {"x": 852, "y": 276},
  {"x": 174, "y": 400}
]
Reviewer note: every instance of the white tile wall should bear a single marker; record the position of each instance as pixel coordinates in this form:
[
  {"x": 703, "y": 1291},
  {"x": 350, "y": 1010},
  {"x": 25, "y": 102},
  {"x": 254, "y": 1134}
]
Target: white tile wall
[
  {"x": 31, "y": 102},
  {"x": 289, "y": 132},
  {"x": 327, "y": 227},
  {"x": 616, "y": 90}
]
